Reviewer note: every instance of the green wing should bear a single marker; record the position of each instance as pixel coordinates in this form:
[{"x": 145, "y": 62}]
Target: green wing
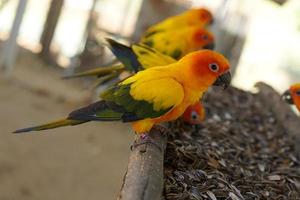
[{"x": 139, "y": 109}]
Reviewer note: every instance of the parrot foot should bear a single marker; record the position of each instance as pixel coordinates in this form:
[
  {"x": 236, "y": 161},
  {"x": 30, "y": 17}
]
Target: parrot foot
[
  {"x": 144, "y": 139},
  {"x": 161, "y": 128}
]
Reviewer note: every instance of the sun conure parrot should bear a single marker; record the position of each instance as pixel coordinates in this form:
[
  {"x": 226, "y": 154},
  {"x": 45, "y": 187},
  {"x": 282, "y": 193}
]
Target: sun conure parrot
[
  {"x": 154, "y": 95},
  {"x": 198, "y": 16},
  {"x": 194, "y": 114},
  {"x": 144, "y": 57},
  {"x": 292, "y": 95},
  {"x": 177, "y": 43}
]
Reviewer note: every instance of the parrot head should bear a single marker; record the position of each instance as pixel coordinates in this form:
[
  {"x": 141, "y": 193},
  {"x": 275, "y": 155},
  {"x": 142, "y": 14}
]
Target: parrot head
[
  {"x": 292, "y": 95},
  {"x": 202, "y": 39},
  {"x": 194, "y": 114},
  {"x": 213, "y": 65},
  {"x": 202, "y": 15}
]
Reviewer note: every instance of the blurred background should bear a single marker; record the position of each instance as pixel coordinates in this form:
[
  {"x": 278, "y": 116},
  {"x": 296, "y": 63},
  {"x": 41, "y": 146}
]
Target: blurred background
[{"x": 42, "y": 40}]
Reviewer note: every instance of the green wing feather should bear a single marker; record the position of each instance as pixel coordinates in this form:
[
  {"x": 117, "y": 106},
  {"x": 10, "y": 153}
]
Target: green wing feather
[{"x": 120, "y": 94}]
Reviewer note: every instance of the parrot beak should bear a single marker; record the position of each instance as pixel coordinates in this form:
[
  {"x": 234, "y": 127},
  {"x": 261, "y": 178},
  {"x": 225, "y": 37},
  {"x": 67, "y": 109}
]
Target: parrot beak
[
  {"x": 287, "y": 97},
  {"x": 210, "y": 46},
  {"x": 224, "y": 79}
]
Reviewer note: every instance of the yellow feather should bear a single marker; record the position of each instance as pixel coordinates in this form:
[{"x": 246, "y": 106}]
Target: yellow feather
[
  {"x": 156, "y": 85},
  {"x": 151, "y": 57},
  {"x": 184, "y": 19},
  {"x": 163, "y": 93}
]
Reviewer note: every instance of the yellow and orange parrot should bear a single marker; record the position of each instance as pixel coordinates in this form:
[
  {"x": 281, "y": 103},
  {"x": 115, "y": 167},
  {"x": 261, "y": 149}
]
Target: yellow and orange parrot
[
  {"x": 194, "y": 114},
  {"x": 154, "y": 95},
  {"x": 177, "y": 43},
  {"x": 145, "y": 58},
  {"x": 292, "y": 95},
  {"x": 200, "y": 17}
]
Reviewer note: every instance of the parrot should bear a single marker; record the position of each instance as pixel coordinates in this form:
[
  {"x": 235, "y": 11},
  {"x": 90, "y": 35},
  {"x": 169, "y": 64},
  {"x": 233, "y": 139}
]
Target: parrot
[
  {"x": 198, "y": 16},
  {"x": 180, "y": 42},
  {"x": 194, "y": 114},
  {"x": 292, "y": 95},
  {"x": 154, "y": 95},
  {"x": 148, "y": 57}
]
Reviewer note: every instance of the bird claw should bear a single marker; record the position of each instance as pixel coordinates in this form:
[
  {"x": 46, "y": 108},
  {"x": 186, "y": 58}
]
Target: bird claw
[{"x": 161, "y": 128}]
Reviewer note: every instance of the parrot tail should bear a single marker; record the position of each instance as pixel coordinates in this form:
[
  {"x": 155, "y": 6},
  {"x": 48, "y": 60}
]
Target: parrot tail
[
  {"x": 55, "y": 124},
  {"x": 98, "y": 111},
  {"x": 99, "y": 72}
]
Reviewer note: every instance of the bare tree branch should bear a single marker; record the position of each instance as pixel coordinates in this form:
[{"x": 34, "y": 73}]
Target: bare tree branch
[{"x": 144, "y": 177}]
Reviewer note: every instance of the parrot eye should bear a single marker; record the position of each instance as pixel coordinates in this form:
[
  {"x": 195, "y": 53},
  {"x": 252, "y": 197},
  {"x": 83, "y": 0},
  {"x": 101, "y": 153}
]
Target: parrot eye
[
  {"x": 298, "y": 92},
  {"x": 194, "y": 115},
  {"x": 204, "y": 37},
  {"x": 214, "y": 67}
]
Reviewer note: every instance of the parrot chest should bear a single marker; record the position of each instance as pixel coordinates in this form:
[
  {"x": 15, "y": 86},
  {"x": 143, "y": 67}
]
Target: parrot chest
[{"x": 190, "y": 98}]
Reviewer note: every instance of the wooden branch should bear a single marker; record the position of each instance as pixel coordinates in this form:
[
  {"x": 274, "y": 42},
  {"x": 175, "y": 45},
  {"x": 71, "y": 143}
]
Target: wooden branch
[
  {"x": 144, "y": 177},
  {"x": 285, "y": 116}
]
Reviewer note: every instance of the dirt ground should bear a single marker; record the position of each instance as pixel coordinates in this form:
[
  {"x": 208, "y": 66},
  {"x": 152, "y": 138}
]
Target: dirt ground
[{"x": 83, "y": 162}]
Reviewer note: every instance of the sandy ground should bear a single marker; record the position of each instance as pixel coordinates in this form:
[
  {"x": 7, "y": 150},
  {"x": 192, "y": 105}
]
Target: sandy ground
[{"x": 83, "y": 162}]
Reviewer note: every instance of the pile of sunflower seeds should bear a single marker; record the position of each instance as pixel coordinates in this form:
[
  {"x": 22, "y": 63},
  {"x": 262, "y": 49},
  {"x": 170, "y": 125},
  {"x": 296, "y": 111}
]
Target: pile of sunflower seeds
[{"x": 240, "y": 152}]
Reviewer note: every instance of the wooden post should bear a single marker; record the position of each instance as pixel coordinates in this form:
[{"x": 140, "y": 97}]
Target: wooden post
[
  {"x": 49, "y": 27},
  {"x": 8, "y": 57},
  {"x": 289, "y": 120},
  {"x": 144, "y": 177}
]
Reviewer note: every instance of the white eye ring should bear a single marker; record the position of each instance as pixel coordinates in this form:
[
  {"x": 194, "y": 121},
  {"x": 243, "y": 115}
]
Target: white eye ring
[
  {"x": 214, "y": 67},
  {"x": 194, "y": 115}
]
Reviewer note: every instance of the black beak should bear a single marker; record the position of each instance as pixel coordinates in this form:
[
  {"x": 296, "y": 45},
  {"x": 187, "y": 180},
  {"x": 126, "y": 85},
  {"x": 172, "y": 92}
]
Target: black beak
[
  {"x": 210, "y": 46},
  {"x": 224, "y": 79},
  {"x": 287, "y": 97}
]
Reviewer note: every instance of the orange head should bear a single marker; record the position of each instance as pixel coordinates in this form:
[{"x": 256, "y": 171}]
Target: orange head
[
  {"x": 206, "y": 67},
  {"x": 197, "y": 16},
  {"x": 204, "y": 15},
  {"x": 194, "y": 114},
  {"x": 292, "y": 96},
  {"x": 202, "y": 39}
]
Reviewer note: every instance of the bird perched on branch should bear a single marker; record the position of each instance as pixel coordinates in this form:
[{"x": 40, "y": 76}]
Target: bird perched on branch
[
  {"x": 292, "y": 95},
  {"x": 154, "y": 95},
  {"x": 139, "y": 57},
  {"x": 176, "y": 36}
]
